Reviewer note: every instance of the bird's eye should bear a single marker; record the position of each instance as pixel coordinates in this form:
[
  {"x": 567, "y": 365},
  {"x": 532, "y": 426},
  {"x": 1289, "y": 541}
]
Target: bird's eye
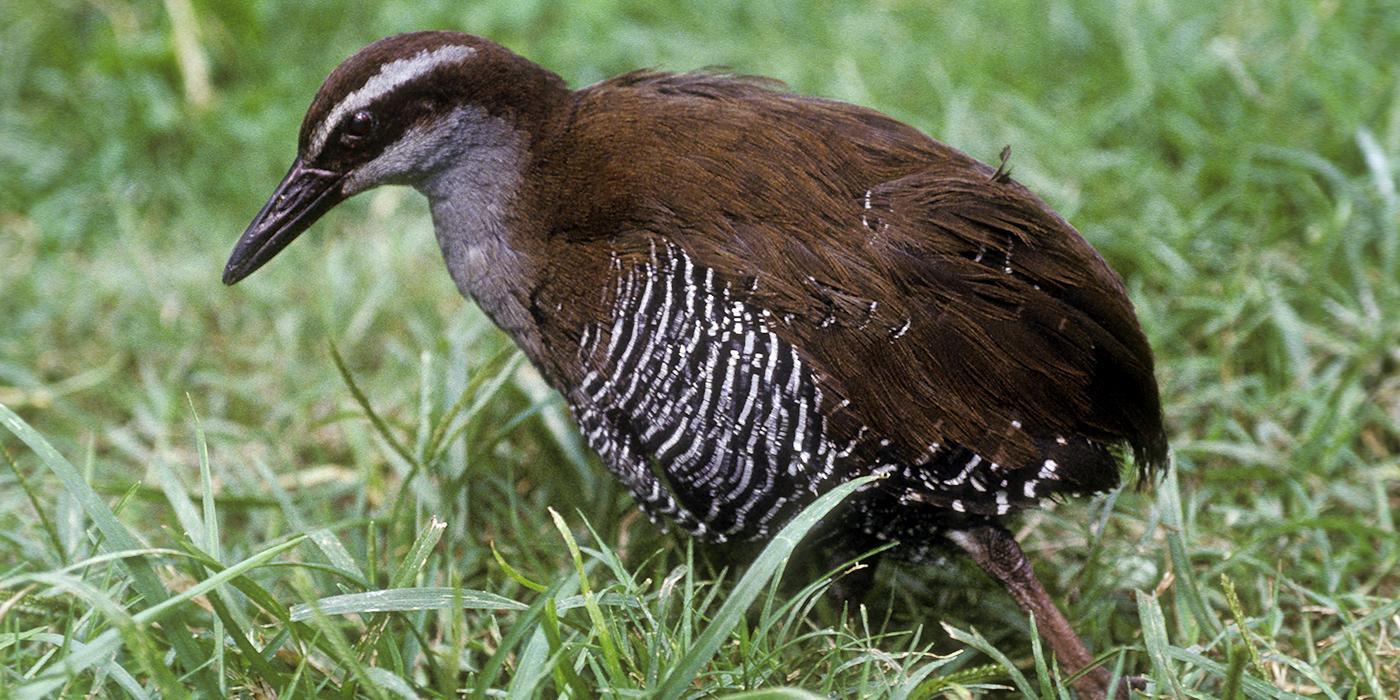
[{"x": 359, "y": 126}]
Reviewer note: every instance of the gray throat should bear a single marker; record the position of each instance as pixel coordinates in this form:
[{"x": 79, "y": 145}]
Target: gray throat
[{"x": 471, "y": 200}]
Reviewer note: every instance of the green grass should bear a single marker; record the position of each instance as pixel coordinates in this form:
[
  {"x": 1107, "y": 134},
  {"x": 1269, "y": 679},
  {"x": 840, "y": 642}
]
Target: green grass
[{"x": 194, "y": 500}]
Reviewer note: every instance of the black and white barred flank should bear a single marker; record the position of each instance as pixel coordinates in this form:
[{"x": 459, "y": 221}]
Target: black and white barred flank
[
  {"x": 714, "y": 422},
  {"x": 698, "y": 382}
]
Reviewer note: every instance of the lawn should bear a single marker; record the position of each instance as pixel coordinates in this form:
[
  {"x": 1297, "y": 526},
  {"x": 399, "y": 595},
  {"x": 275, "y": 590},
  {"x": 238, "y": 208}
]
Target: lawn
[{"x": 339, "y": 479}]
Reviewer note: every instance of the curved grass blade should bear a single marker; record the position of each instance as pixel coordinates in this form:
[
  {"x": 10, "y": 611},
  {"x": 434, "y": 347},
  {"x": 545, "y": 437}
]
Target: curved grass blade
[
  {"x": 611, "y": 657},
  {"x": 379, "y": 425},
  {"x": 406, "y": 599},
  {"x": 439, "y": 598},
  {"x": 770, "y": 563},
  {"x": 974, "y": 639},
  {"x": 390, "y": 682}
]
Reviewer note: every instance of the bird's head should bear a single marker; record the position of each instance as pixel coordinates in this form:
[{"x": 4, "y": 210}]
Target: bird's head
[{"x": 399, "y": 111}]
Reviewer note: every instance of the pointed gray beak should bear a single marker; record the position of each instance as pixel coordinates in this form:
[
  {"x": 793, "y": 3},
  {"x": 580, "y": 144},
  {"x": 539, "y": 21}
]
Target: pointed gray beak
[{"x": 302, "y": 197}]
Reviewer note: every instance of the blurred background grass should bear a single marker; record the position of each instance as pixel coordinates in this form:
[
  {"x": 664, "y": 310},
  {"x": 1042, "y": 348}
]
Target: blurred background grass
[{"x": 1235, "y": 163}]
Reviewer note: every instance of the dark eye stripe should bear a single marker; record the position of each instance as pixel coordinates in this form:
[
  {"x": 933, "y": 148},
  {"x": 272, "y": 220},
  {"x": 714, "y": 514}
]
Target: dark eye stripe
[{"x": 390, "y": 76}]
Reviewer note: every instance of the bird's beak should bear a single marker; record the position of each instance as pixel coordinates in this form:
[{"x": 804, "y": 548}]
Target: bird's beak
[{"x": 302, "y": 197}]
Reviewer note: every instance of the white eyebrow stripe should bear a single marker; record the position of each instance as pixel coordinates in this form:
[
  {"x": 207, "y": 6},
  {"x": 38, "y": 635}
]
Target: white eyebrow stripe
[{"x": 390, "y": 76}]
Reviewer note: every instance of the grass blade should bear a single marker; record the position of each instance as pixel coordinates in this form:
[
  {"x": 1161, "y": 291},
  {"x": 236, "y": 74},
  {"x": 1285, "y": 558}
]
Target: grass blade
[
  {"x": 418, "y": 554},
  {"x": 402, "y": 599},
  {"x": 525, "y": 624},
  {"x": 1154, "y": 637},
  {"x": 39, "y": 510},
  {"x": 379, "y": 425},
  {"x": 115, "y": 538},
  {"x": 770, "y": 562},
  {"x": 211, "y": 542},
  {"x": 101, "y": 647},
  {"x": 122, "y": 677},
  {"x": 611, "y": 657},
  {"x": 390, "y": 682},
  {"x": 975, "y": 640},
  {"x": 773, "y": 694}
]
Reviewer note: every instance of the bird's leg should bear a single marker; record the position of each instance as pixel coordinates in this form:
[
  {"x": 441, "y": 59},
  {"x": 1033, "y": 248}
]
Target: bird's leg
[{"x": 996, "y": 551}]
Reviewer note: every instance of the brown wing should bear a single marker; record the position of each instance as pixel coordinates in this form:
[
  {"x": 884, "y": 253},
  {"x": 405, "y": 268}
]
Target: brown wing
[{"x": 958, "y": 308}]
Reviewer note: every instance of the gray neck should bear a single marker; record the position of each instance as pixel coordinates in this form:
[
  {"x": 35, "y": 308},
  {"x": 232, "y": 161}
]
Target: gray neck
[{"x": 471, "y": 199}]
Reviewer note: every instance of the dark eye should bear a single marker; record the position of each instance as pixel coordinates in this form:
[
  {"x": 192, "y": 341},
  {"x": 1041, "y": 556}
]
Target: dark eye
[{"x": 359, "y": 126}]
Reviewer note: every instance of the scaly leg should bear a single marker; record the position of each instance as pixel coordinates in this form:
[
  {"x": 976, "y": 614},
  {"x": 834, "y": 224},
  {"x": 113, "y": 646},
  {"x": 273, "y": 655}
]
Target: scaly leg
[{"x": 996, "y": 551}]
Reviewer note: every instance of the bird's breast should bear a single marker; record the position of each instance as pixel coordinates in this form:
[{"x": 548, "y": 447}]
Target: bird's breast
[{"x": 472, "y": 209}]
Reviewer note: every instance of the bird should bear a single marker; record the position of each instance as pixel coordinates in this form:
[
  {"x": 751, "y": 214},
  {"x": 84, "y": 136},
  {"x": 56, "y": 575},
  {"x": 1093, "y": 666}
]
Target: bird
[{"x": 747, "y": 296}]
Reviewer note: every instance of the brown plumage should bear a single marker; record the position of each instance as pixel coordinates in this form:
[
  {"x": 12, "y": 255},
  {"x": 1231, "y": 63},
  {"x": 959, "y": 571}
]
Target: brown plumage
[
  {"x": 748, "y": 296},
  {"x": 1011, "y": 316}
]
